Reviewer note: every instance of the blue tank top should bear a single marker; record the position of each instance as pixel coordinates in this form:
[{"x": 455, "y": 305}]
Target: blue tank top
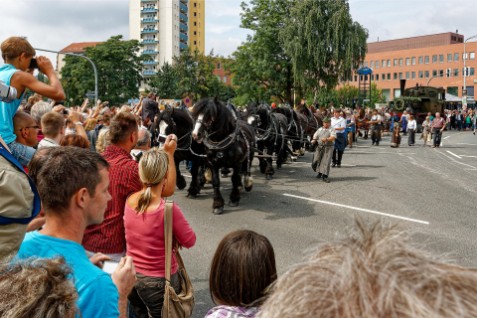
[{"x": 8, "y": 110}]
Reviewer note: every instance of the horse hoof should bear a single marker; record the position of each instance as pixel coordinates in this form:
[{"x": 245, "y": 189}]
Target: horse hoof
[
  {"x": 248, "y": 189},
  {"x": 269, "y": 177},
  {"x": 218, "y": 211},
  {"x": 233, "y": 204}
]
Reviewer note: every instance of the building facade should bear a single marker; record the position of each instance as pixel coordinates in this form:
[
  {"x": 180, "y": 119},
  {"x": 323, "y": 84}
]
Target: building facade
[
  {"x": 431, "y": 60},
  {"x": 196, "y": 25},
  {"x": 163, "y": 27},
  {"x": 76, "y": 48}
]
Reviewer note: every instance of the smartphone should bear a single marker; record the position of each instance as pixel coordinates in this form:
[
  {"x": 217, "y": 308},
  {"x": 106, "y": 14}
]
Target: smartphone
[
  {"x": 110, "y": 266},
  {"x": 161, "y": 138},
  {"x": 33, "y": 64}
]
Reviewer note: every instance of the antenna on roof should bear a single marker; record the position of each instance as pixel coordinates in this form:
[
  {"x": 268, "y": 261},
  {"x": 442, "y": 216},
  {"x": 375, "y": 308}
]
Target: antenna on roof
[{"x": 457, "y": 31}]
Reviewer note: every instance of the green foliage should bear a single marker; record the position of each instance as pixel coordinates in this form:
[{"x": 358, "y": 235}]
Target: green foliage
[
  {"x": 376, "y": 95},
  {"x": 119, "y": 72},
  {"x": 323, "y": 42},
  {"x": 346, "y": 95},
  {"x": 165, "y": 83},
  {"x": 261, "y": 68}
]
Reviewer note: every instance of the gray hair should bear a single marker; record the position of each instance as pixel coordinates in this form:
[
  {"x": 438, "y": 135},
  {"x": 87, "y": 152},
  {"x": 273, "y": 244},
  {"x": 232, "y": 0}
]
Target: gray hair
[
  {"x": 374, "y": 272},
  {"x": 37, "y": 288},
  {"x": 39, "y": 109},
  {"x": 144, "y": 137}
]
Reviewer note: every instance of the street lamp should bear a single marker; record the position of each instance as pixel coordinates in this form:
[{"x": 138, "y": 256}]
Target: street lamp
[
  {"x": 465, "y": 70},
  {"x": 89, "y": 60}
]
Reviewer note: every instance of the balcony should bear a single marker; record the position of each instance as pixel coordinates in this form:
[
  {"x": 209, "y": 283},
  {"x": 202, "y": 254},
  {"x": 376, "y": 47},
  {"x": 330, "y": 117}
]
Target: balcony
[
  {"x": 149, "y": 41},
  {"x": 148, "y": 10},
  {"x": 149, "y": 20},
  {"x": 183, "y": 8},
  {"x": 183, "y": 37},
  {"x": 150, "y": 52},
  {"x": 148, "y": 72},
  {"x": 149, "y": 31},
  {"x": 182, "y": 46},
  {"x": 148, "y": 0},
  {"x": 150, "y": 62},
  {"x": 185, "y": 1},
  {"x": 183, "y": 27},
  {"x": 183, "y": 18}
]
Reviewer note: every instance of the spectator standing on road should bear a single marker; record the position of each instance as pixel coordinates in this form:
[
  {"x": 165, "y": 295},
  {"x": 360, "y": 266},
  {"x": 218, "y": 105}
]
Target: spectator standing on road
[
  {"x": 411, "y": 127},
  {"x": 73, "y": 185},
  {"x": 437, "y": 125},
  {"x": 324, "y": 137},
  {"x": 426, "y": 130},
  {"x": 403, "y": 122},
  {"x": 242, "y": 270},
  {"x": 338, "y": 124},
  {"x": 53, "y": 127},
  {"x": 17, "y": 54},
  {"x": 375, "y": 124},
  {"x": 144, "y": 227}
]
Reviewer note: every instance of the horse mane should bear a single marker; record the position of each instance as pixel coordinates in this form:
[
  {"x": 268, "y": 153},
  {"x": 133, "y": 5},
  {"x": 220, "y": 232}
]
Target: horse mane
[
  {"x": 182, "y": 116},
  {"x": 215, "y": 110}
]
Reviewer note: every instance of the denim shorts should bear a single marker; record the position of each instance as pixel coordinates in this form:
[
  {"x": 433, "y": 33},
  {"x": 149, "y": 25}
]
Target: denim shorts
[
  {"x": 21, "y": 152},
  {"x": 147, "y": 296}
]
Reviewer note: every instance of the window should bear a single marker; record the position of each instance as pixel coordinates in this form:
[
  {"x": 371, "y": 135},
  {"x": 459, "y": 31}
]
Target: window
[
  {"x": 408, "y": 75},
  {"x": 383, "y": 76},
  {"x": 377, "y": 64},
  {"x": 456, "y": 57},
  {"x": 400, "y": 75},
  {"x": 371, "y": 64},
  {"x": 365, "y": 64},
  {"x": 395, "y": 62},
  {"x": 472, "y": 55},
  {"x": 465, "y": 56},
  {"x": 389, "y": 63},
  {"x": 426, "y": 59},
  {"x": 434, "y": 73},
  {"x": 389, "y": 76},
  {"x": 449, "y": 57},
  {"x": 472, "y": 71},
  {"x": 400, "y": 62},
  {"x": 355, "y": 78},
  {"x": 413, "y": 60},
  {"x": 372, "y": 77},
  {"x": 218, "y": 66},
  {"x": 434, "y": 58},
  {"x": 195, "y": 42},
  {"x": 456, "y": 72},
  {"x": 421, "y": 74},
  {"x": 441, "y": 58},
  {"x": 426, "y": 74},
  {"x": 195, "y": 4},
  {"x": 195, "y": 14},
  {"x": 421, "y": 59},
  {"x": 383, "y": 63},
  {"x": 408, "y": 61},
  {"x": 413, "y": 75},
  {"x": 395, "y": 76},
  {"x": 225, "y": 79},
  {"x": 441, "y": 73},
  {"x": 195, "y": 32}
]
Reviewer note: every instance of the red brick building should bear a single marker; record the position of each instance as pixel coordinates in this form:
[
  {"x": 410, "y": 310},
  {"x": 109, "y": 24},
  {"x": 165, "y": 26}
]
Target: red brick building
[
  {"x": 434, "y": 60},
  {"x": 77, "y": 48},
  {"x": 222, "y": 74}
]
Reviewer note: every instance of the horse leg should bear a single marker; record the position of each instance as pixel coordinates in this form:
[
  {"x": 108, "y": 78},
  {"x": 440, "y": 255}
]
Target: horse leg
[
  {"x": 180, "y": 180},
  {"x": 194, "y": 187},
  {"x": 236, "y": 182},
  {"x": 269, "y": 170},
  {"x": 218, "y": 205},
  {"x": 261, "y": 160}
]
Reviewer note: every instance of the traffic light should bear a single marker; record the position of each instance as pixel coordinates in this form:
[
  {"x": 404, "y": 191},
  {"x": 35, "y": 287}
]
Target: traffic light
[{"x": 448, "y": 72}]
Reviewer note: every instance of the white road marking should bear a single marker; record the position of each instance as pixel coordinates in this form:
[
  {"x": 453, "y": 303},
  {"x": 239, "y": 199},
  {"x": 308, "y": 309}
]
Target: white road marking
[
  {"x": 446, "y": 137},
  {"x": 359, "y": 209},
  {"x": 458, "y": 162},
  {"x": 463, "y": 143},
  {"x": 468, "y": 156},
  {"x": 457, "y": 156}
]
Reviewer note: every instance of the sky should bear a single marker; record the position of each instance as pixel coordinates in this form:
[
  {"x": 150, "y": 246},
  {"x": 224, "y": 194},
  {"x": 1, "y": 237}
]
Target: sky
[{"x": 54, "y": 24}]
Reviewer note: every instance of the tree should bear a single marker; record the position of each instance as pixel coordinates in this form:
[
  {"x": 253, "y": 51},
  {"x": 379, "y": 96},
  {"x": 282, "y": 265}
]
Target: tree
[
  {"x": 261, "y": 67},
  {"x": 323, "y": 42},
  {"x": 165, "y": 83},
  {"x": 119, "y": 71},
  {"x": 346, "y": 95}
]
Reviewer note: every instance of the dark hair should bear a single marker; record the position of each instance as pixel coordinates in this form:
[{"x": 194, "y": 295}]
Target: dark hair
[
  {"x": 66, "y": 171},
  {"x": 122, "y": 126},
  {"x": 37, "y": 162},
  {"x": 242, "y": 269},
  {"x": 75, "y": 140}
]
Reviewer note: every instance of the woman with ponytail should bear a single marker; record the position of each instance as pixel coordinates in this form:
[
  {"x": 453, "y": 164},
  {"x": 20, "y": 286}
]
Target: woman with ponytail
[{"x": 144, "y": 225}]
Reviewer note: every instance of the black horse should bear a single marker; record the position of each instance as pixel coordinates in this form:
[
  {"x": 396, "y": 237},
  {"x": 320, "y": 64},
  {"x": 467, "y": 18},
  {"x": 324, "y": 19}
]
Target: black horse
[
  {"x": 271, "y": 131},
  {"x": 295, "y": 129},
  {"x": 179, "y": 122},
  {"x": 229, "y": 143}
]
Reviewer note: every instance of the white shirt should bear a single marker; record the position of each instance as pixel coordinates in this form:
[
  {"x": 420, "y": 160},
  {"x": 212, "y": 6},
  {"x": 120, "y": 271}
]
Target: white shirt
[
  {"x": 412, "y": 124},
  {"x": 337, "y": 123},
  {"x": 47, "y": 142}
]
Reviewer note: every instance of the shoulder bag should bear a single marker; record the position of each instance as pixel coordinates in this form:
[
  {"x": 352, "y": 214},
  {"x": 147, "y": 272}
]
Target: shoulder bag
[{"x": 175, "y": 305}]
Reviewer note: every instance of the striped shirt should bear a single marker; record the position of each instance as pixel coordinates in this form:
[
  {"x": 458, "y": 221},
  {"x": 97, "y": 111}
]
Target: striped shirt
[
  {"x": 231, "y": 312},
  {"x": 108, "y": 237}
]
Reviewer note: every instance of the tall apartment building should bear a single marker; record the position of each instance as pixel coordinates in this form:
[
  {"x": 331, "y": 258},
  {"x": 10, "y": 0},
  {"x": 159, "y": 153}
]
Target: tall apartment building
[
  {"x": 434, "y": 60},
  {"x": 164, "y": 28}
]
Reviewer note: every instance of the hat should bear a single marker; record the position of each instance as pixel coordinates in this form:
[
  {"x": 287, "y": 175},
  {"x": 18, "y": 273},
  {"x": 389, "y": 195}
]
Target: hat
[
  {"x": 274, "y": 105},
  {"x": 326, "y": 119}
]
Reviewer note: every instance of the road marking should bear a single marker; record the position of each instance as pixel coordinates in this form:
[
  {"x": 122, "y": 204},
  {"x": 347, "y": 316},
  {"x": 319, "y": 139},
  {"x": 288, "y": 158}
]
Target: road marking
[
  {"x": 359, "y": 209},
  {"x": 463, "y": 143},
  {"x": 446, "y": 137},
  {"x": 468, "y": 156},
  {"x": 458, "y": 162},
  {"x": 458, "y": 157}
]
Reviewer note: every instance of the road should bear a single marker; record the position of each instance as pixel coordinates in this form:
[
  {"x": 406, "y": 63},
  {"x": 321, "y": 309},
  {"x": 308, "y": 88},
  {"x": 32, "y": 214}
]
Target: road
[{"x": 429, "y": 191}]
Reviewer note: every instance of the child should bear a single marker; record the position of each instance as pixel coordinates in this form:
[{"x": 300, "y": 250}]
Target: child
[
  {"x": 17, "y": 73},
  {"x": 242, "y": 269}
]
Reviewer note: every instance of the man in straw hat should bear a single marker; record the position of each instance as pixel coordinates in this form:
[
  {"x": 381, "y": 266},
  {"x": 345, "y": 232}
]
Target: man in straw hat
[{"x": 324, "y": 137}]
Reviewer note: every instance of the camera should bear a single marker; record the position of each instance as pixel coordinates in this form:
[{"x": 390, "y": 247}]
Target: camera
[
  {"x": 161, "y": 138},
  {"x": 33, "y": 64},
  {"x": 7, "y": 93}
]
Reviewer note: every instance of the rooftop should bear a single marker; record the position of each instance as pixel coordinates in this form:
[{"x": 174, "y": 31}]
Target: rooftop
[{"x": 78, "y": 47}]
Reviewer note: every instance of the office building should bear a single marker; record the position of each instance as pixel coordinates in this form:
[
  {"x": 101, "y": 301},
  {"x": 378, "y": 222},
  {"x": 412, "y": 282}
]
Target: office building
[
  {"x": 430, "y": 60},
  {"x": 164, "y": 28}
]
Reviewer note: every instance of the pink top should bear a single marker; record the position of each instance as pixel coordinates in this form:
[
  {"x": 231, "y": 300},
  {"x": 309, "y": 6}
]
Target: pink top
[{"x": 145, "y": 238}]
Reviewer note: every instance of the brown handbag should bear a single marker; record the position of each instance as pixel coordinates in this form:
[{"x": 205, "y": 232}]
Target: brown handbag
[{"x": 175, "y": 305}]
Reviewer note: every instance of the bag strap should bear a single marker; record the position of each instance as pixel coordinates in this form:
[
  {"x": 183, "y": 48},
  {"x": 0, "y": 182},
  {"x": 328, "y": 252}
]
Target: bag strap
[{"x": 168, "y": 237}]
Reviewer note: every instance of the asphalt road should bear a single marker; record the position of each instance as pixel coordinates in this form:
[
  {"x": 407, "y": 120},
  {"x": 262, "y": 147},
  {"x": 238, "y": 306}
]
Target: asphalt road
[{"x": 429, "y": 191}]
